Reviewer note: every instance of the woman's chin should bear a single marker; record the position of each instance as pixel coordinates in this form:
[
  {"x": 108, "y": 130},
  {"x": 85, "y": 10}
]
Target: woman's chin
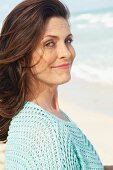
[{"x": 65, "y": 80}]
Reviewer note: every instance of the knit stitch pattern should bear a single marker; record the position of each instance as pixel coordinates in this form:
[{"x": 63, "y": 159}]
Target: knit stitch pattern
[{"x": 39, "y": 140}]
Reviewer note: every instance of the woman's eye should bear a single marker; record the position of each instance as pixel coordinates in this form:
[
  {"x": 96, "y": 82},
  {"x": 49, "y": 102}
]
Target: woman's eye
[
  {"x": 50, "y": 44},
  {"x": 69, "y": 41}
]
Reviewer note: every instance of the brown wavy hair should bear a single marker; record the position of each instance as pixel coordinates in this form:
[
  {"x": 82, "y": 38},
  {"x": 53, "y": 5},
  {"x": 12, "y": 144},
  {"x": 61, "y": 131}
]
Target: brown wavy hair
[{"x": 20, "y": 33}]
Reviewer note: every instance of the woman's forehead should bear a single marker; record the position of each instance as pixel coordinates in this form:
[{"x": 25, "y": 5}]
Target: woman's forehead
[{"x": 55, "y": 26}]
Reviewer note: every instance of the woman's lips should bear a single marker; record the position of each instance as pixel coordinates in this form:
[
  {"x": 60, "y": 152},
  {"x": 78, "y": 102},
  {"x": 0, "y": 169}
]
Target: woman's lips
[{"x": 62, "y": 66}]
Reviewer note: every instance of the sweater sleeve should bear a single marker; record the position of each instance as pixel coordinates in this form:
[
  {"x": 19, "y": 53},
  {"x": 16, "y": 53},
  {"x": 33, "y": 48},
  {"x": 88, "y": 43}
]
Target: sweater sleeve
[{"x": 34, "y": 146}]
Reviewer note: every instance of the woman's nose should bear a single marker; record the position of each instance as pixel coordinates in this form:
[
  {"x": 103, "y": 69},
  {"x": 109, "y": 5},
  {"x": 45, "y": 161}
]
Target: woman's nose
[{"x": 64, "y": 52}]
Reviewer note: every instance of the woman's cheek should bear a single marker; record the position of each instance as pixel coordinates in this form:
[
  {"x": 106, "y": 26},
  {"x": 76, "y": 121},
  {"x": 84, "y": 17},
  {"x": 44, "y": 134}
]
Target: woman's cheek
[{"x": 50, "y": 57}]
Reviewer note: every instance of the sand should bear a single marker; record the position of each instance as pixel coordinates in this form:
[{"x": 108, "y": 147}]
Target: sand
[
  {"x": 90, "y": 106},
  {"x": 98, "y": 129}
]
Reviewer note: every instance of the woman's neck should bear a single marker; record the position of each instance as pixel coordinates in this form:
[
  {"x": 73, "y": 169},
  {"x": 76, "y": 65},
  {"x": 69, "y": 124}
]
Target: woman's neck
[{"x": 46, "y": 97}]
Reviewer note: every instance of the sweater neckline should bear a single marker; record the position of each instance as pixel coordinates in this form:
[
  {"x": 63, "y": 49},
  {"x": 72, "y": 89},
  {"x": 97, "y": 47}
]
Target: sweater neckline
[{"x": 51, "y": 114}]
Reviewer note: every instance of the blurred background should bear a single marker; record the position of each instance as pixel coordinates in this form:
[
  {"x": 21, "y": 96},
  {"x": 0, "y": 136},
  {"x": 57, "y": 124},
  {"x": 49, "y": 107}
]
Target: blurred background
[{"x": 88, "y": 97}]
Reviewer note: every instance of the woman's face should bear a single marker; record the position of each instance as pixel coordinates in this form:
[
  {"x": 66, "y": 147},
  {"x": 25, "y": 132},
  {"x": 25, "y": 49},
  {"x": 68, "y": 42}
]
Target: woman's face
[{"x": 54, "y": 54}]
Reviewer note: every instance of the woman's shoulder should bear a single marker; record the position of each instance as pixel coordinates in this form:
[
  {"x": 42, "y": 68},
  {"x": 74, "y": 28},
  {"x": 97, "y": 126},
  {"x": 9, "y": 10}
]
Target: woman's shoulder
[
  {"x": 30, "y": 113},
  {"x": 30, "y": 117},
  {"x": 31, "y": 134},
  {"x": 30, "y": 124}
]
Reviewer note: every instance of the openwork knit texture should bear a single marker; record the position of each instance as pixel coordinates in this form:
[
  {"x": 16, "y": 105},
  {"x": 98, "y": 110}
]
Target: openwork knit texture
[{"x": 39, "y": 140}]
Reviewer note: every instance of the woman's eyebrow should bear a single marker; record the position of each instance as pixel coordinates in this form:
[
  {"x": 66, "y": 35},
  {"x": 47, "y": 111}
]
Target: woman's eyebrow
[
  {"x": 57, "y": 37},
  {"x": 70, "y": 35}
]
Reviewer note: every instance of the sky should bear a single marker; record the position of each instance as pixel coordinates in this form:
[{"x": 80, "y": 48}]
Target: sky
[
  {"x": 74, "y": 5},
  {"x": 87, "y": 5}
]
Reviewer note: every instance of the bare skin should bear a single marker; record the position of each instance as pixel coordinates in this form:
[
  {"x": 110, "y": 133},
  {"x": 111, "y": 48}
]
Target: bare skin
[
  {"x": 54, "y": 49},
  {"x": 44, "y": 87}
]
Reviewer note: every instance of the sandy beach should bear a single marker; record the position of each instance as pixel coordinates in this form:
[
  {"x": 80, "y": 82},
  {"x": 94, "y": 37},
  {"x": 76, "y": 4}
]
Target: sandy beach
[
  {"x": 97, "y": 129},
  {"x": 89, "y": 105}
]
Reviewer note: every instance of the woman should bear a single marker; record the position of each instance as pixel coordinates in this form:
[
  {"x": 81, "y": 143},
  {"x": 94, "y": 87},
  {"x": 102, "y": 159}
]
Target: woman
[{"x": 36, "y": 55}]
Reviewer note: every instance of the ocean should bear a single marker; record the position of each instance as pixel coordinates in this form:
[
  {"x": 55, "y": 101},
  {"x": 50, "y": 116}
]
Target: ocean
[
  {"x": 93, "y": 43},
  {"x": 88, "y": 98},
  {"x": 92, "y": 71}
]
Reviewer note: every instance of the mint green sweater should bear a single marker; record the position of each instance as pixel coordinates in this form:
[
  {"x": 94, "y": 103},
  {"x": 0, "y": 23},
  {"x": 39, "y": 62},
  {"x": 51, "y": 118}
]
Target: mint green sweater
[{"x": 39, "y": 140}]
